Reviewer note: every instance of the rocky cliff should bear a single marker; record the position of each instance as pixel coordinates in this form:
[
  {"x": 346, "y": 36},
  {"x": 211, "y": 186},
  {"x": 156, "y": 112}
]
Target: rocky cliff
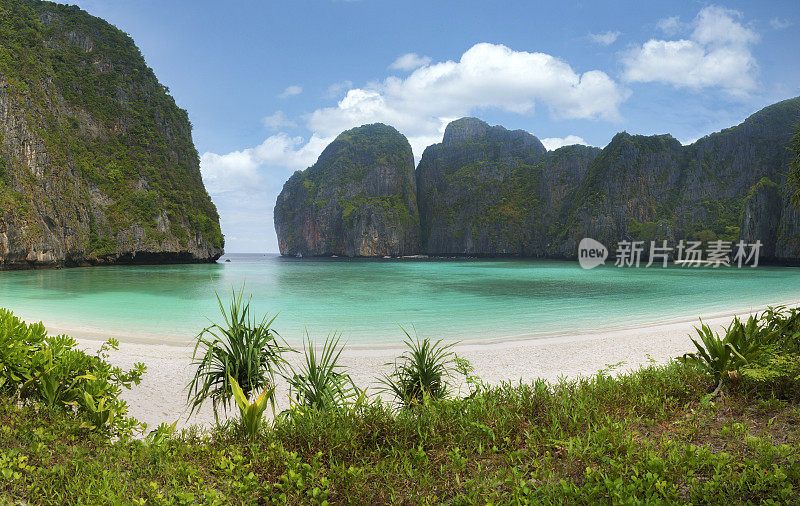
[
  {"x": 359, "y": 199},
  {"x": 488, "y": 191},
  {"x": 97, "y": 163},
  {"x": 730, "y": 185}
]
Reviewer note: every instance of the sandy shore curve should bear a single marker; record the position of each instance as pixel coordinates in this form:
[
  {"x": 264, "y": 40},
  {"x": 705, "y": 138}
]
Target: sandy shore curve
[{"x": 161, "y": 396}]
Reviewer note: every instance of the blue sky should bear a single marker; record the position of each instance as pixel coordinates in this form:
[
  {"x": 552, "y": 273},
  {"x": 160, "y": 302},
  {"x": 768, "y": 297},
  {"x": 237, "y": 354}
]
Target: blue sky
[{"x": 268, "y": 84}]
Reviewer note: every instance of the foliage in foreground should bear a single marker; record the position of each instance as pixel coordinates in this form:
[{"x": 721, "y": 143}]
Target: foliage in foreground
[
  {"x": 763, "y": 353},
  {"x": 242, "y": 347},
  {"x": 420, "y": 373},
  {"x": 319, "y": 383},
  {"x": 36, "y": 367},
  {"x": 644, "y": 437}
]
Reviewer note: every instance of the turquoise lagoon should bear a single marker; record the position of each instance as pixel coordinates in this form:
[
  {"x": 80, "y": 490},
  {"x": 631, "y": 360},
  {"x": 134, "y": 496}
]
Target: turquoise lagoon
[{"x": 368, "y": 300}]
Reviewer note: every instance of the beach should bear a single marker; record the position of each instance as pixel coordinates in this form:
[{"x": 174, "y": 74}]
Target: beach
[{"x": 161, "y": 396}]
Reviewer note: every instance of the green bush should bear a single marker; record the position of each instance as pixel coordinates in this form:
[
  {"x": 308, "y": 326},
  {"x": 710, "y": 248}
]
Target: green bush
[
  {"x": 775, "y": 374},
  {"x": 36, "y": 367},
  {"x": 421, "y": 372},
  {"x": 242, "y": 347}
]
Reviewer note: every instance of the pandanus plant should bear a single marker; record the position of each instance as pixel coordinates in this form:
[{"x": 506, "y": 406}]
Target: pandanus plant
[
  {"x": 241, "y": 347},
  {"x": 421, "y": 372}
]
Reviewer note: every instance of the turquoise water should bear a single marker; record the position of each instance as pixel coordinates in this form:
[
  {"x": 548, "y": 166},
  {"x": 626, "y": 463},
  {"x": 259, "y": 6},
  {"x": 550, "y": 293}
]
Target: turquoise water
[{"x": 367, "y": 300}]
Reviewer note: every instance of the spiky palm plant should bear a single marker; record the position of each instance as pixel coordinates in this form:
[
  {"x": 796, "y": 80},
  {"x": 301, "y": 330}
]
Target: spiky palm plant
[
  {"x": 319, "y": 382},
  {"x": 242, "y": 347},
  {"x": 422, "y": 371},
  {"x": 720, "y": 355}
]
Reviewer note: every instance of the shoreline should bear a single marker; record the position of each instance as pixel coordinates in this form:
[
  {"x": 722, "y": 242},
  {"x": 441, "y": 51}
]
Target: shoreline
[
  {"x": 100, "y": 335},
  {"x": 161, "y": 396}
]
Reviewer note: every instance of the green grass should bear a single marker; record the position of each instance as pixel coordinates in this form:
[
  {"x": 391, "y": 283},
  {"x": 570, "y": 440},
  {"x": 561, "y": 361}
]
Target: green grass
[
  {"x": 651, "y": 436},
  {"x": 643, "y": 437}
]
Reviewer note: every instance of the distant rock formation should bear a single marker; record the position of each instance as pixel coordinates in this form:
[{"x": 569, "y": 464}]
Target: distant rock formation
[
  {"x": 488, "y": 191},
  {"x": 359, "y": 199},
  {"x": 97, "y": 164}
]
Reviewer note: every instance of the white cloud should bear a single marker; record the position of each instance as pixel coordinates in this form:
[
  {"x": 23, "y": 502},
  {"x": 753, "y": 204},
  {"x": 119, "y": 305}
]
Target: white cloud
[
  {"x": 553, "y": 143},
  {"x": 716, "y": 54},
  {"x": 335, "y": 90},
  {"x": 291, "y": 91},
  {"x": 277, "y": 121},
  {"x": 779, "y": 23},
  {"x": 239, "y": 170},
  {"x": 410, "y": 61},
  {"x": 487, "y": 76},
  {"x": 606, "y": 38},
  {"x": 670, "y": 25}
]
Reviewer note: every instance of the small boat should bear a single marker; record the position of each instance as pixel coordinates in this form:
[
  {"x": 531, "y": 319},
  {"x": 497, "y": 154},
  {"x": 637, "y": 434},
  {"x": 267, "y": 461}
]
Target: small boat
[{"x": 299, "y": 255}]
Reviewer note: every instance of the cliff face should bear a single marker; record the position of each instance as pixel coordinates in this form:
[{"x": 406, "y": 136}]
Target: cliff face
[
  {"x": 359, "y": 199},
  {"x": 490, "y": 191},
  {"x": 730, "y": 185},
  {"x": 97, "y": 163},
  {"x": 487, "y": 191}
]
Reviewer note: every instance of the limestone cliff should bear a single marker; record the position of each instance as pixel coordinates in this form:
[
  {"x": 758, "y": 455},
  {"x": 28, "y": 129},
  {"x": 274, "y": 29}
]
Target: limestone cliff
[
  {"x": 97, "y": 163},
  {"x": 359, "y": 199},
  {"x": 488, "y": 191},
  {"x": 729, "y": 185}
]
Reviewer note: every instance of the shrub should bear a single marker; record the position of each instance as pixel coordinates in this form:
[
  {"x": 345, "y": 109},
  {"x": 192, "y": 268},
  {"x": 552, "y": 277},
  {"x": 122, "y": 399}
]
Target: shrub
[
  {"x": 319, "y": 383},
  {"x": 720, "y": 355},
  {"x": 49, "y": 369},
  {"x": 242, "y": 347},
  {"x": 420, "y": 372}
]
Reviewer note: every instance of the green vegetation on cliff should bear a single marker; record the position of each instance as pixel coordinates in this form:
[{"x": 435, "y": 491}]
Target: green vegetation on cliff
[
  {"x": 358, "y": 199},
  {"x": 100, "y": 121}
]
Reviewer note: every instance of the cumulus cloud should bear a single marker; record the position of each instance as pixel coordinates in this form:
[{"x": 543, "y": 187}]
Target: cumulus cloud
[
  {"x": 277, "y": 121},
  {"x": 291, "y": 91},
  {"x": 410, "y": 61},
  {"x": 670, "y": 25},
  {"x": 553, "y": 143},
  {"x": 420, "y": 105},
  {"x": 336, "y": 89},
  {"x": 486, "y": 76},
  {"x": 779, "y": 23},
  {"x": 605, "y": 38},
  {"x": 716, "y": 54}
]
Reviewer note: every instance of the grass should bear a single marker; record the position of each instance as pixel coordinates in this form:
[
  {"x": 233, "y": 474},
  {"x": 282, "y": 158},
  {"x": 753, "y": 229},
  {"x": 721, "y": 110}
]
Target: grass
[
  {"x": 651, "y": 436},
  {"x": 644, "y": 437}
]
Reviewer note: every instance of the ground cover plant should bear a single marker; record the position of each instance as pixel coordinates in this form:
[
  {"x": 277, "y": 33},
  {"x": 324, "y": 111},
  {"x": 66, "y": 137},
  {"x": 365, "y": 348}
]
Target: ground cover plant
[{"x": 648, "y": 436}]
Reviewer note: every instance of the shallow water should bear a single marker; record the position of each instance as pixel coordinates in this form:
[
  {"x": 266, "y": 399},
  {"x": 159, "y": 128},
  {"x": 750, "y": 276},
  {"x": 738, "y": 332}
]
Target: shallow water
[{"x": 369, "y": 300}]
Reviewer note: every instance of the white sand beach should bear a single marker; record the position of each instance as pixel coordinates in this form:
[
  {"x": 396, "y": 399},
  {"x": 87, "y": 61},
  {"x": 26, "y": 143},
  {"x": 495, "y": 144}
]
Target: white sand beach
[{"x": 161, "y": 396}]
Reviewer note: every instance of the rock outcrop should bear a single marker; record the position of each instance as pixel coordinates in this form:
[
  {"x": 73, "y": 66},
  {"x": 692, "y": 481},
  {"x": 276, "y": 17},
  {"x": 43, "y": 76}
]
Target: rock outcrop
[
  {"x": 730, "y": 185},
  {"x": 487, "y": 191},
  {"x": 359, "y": 199},
  {"x": 97, "y": 164}
]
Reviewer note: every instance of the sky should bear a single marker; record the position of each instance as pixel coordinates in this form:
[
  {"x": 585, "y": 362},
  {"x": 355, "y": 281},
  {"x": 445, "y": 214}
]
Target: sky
[{"x": 268, "y": 84}]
